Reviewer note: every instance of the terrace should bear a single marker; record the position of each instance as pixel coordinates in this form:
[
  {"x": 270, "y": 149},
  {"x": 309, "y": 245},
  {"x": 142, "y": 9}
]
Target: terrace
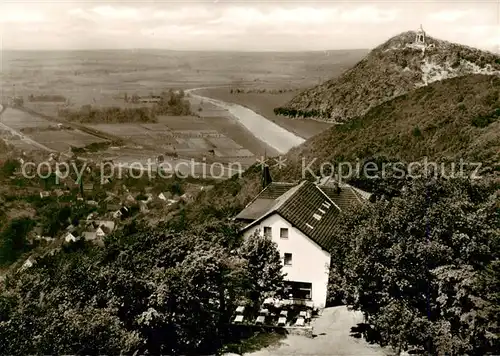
[{"x": 293, "y": 315}]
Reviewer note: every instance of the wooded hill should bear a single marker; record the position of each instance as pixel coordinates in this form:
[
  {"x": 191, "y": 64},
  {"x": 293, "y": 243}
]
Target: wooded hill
[
  {"x": 392, "y": 69},
  {"x": 446, "y": 120}
]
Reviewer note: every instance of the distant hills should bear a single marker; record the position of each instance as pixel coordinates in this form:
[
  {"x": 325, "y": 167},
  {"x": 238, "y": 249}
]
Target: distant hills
[{"x": 394, "y": 68}]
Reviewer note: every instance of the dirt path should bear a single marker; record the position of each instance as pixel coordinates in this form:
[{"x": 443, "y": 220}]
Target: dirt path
[{"x": 333, "y": 338}]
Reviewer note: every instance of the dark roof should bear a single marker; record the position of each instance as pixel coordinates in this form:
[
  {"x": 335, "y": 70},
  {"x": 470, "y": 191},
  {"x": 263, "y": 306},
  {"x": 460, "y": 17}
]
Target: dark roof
[
  {"x": 275, "y": 190},
  {"x": 300, "y": 209},
  {"x": 113, "y": 207},
  {"x": 343, "y": 197},
  {"x": 264, "y": 201},
  {"x": 310, "y": 208}
]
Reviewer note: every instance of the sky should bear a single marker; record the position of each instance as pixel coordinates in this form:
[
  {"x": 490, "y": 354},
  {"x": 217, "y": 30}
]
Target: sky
[{"x": 241, "y": 25}]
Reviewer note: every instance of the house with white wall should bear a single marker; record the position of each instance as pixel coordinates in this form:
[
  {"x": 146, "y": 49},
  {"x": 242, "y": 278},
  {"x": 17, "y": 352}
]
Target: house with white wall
[{"x": 303, "y": 221}]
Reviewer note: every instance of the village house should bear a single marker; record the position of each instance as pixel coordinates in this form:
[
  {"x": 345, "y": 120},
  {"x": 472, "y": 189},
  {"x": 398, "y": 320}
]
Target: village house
[
  {"x": 122, "y": 212},
  {"x": 187, "y": 197},
  {"x": 28, "y": 263},
  {"x": 92, "y": 203},
  {"x": 171, "y": 202},
  {"x": 112, "y": 207},
  {"x": 164, "y": 196},
  {"x": 70, "y": 237},
  {"x": 88, "y": 187},
  {"x": 117, "y": 214},
  {"x": 59, "y": 192},
  {"x": 44, "y": 194},
  {"x": 100, "y": 233},
  {"x": 143, "y": 207},
  {"x": 98, "y": 229},
  {"x": 303, "y": 221}
]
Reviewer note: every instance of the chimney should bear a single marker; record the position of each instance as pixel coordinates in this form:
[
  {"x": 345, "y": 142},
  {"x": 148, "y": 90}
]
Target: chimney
[{"x": 266, "y": 176}]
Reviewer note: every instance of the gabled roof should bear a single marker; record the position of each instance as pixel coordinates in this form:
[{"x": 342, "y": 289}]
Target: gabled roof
[
  {"x": 275, "y": 190},
  {"x": 311, "y": 208},
  {"x": 343, "y": 197},
  {"x": 264, "y": 201}
]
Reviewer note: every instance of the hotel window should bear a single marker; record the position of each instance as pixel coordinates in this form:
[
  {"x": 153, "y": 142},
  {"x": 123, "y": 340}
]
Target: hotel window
[
  {"x": 288, "y": 259},
  {"x": 284, "y": 233},
  {"x": 267, "y": 231}
]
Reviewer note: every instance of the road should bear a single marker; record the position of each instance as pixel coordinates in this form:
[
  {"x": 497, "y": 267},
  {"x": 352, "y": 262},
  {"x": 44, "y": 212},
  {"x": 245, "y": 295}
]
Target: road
[
  {"x": 19, "y": 134},
  {"x": 265, "y": 130},
  {"x": 333, "y": 330}
]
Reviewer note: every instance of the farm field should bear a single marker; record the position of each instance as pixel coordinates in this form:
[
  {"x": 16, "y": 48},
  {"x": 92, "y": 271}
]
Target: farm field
[
  {"x": 102, "y": 78},
  {"x": 83, "y": 75},
  {"x": 186, "y": 136},
  {"x": 63, "y": 140},
  {"x": 17, "y": 119},
  {"x": 222, "y": 121},
  {"x": 264, "y": 104},
  {"x": 57, "y": 140}
]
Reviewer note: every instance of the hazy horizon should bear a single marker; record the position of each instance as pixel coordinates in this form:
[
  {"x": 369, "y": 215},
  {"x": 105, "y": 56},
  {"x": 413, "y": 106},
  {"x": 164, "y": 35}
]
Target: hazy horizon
[
  {"x": 180, "y": 50},
  {"x": 241, "y": 26}
]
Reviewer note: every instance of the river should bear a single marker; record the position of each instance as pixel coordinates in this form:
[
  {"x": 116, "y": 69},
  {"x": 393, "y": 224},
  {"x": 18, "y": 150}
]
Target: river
[{"x": 265, "y": 130}]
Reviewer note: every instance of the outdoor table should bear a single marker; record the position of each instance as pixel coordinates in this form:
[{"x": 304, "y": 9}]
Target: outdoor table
[{"x": 300, "y": 322}]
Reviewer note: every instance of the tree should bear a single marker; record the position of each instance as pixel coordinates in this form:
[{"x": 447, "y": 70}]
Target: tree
[
  {"x": 420, "y": 266},
  {"x": 13, "y": 240},
  {"x": 264, "y": 266},
  {"x": 9, "y": 167}
]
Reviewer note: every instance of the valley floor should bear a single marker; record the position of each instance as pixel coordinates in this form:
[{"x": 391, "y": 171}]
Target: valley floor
[{"x": 333, "y": 337}]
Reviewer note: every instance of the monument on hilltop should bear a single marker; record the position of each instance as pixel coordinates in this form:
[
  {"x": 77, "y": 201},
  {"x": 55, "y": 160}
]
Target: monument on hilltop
[{"x": 420, "y": 38}]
